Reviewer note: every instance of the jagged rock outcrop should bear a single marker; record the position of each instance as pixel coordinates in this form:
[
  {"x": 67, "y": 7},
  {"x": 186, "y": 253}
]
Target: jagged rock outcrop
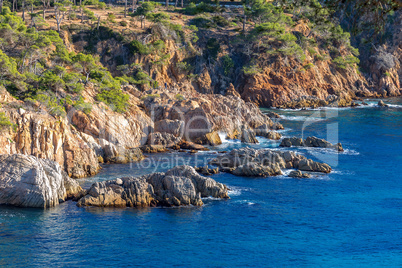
[
  {"x": 310, "y": 142},
  {"x": 231, "y": 91},
  {"x": 203, "y": 113},
  {"x": 248, "y": 136},
  {"x": 28, "y": 181},
  {"x": 264, "y": 162},
  {"x": 179, "y": 186},
  {"x": 382, "y": 104}
]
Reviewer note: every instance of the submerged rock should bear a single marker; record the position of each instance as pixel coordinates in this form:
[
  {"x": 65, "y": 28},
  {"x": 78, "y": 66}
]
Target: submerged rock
[
  {"x": 264, "y": 162},
  {"x": 298, "y": 174},
  {"x": 28, "y": 181},
  {"x": 179, "y": 186}
]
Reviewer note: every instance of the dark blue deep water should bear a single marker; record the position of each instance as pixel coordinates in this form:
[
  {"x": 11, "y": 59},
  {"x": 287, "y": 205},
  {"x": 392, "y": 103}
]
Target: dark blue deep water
[{"x": 351, "y": 217}]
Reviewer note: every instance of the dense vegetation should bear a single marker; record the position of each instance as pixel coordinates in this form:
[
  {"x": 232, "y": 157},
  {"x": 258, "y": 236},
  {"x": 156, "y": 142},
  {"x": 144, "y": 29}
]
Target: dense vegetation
[{"x": 37, "y": 66}]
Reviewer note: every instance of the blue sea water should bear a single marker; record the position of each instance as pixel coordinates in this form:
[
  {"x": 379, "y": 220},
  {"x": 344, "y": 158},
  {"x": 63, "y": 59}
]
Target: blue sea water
[{"x": 351, "y": 217}]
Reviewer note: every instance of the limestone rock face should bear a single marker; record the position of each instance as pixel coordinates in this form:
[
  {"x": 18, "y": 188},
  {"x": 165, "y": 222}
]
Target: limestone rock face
[
  {"x": 179, "y": 186},
  {"x": 264, "y": 162},
  {"x": 28, "y": 181},
  {"x": 174, "y": 127},
  {"x": 43, "y": 136}
]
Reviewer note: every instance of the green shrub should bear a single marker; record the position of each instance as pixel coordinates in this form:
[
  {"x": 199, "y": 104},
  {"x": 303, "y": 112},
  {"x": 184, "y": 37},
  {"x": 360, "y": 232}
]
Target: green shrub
[
  {"x": 308, "y": 66},
  {"x": 123, "y": 23},
  {"x": 101, "y": 5},
  {"x": 157, "y": 17},
  {"x": 251, "y": 70},
  {"x": 202, "y": 22},
  {"x": 184, "y": 66},
  {"x": 83, "y": 106},
  {"x": 213, "y": 48},
  {"x": 227, "y": 64},
  {"x": 4, "y": 121},
  {"x": 51, "y": 103},
  {"x": 115, "y": 98},
  {"x": 179, "y": 97},
  {"x": 221, "y": 21},
  {"x": 193, "y": 9},
  {"x": 344, "y": 63},
  {"x": 152, "y": 96},
  {"x": 136, "y": 47}
]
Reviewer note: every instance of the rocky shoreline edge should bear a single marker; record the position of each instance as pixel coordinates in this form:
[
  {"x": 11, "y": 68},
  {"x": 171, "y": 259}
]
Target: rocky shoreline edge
[{"x": 28, "y": 181}]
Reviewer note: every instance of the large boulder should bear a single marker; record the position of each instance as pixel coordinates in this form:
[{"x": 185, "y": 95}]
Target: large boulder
[
  {"x": 28, "y": 181},
  {"x": 211, "y": 138},
  {"x": 179, "y": 186}
]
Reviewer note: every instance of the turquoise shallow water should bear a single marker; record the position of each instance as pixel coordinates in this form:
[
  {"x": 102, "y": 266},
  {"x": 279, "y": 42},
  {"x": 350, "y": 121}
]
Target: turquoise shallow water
[{"x": 350, "y": 217}]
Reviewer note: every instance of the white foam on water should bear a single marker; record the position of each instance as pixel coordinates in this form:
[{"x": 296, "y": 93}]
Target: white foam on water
[
  {"x": 395, "y": 106},
  {"x": 222, "y": 136},
  {"x": 350, "y": 152},
  {"x": 234, "y": 191},
  {"x": 211, "y": 198},
  {"x": 302, "y": 118}
]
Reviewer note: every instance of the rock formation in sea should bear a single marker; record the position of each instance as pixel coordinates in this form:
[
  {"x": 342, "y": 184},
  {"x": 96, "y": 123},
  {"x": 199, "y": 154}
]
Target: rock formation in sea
[
  {"x": 28, "y": 181},
  {"x": 179, "y": 186},
  {"x": 310, "y": 142},
  {"x": 265, "y": 162}
]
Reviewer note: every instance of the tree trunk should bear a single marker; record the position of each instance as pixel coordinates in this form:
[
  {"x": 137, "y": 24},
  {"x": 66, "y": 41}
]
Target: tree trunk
[
  {"x": 175, "y": 4},
  {"x": 182, "y": 3},
  {"x": 125, "y": 8},
  {"x": 133, "y": 5},
  {"x": 244, "y": 19},
  {"x": 98, "y": 23},
  {"x": 82, "y": 14},
  {"x": 23, "y": 10},
  {"x": 44, "y": 7},
  {"x": 1, "y": 6},
  {"x": 167, "y": 4}
]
